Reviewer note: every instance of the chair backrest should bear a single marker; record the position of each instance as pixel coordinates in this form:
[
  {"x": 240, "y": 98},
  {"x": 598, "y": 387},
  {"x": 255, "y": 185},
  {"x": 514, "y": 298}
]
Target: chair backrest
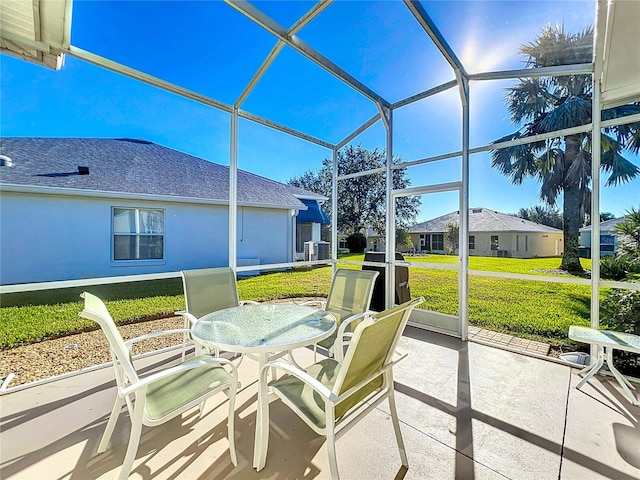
[
  {"x": 95, "y": 309},
  {"x": 350, "y": 292},
  {"x": 209, "y": 290},
  {"x": 371, "y": 348}
]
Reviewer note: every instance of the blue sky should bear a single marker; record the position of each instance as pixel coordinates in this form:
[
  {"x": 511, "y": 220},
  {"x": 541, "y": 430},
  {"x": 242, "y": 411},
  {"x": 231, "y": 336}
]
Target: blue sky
[{"x": 208, "y": 47}]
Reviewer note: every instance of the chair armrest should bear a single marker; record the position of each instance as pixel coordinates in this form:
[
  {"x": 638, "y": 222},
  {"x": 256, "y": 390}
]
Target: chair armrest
[
  {"x": 342, "y": 333},
  {"x": 160, "y": 333},
  {"x": 303, "y": 376},
  {"x": 319, "y": 303},
  {"x": 188, "y": 317},
  {"x": 183, "y": 367}
]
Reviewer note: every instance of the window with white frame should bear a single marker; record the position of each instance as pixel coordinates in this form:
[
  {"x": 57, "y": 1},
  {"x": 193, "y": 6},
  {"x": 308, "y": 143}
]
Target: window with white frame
[
  {"x": 437, "y": 241},
  {"x": 138, "y": 234}
]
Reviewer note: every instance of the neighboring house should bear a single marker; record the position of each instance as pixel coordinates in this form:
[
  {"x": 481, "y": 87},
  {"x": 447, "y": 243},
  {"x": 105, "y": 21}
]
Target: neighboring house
[
  {"x": 73, "y": 208},
  {"x": 375, "y": 241},
  {"x": 491, "y": 233},
  {"x": 609, "y": 241}
]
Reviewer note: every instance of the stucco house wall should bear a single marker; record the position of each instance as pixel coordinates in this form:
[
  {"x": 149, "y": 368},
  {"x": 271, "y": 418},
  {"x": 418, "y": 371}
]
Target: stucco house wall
[
  {"x": 59, "y": 237},
  {"x": 518, "y": 244}
]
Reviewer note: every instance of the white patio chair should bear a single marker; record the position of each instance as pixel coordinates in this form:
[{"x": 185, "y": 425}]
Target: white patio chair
[
  {"x": 162, "y": 395},
  {"x": 349, "y": 298},
  {"x": 332, "y": 394},
  {"x": 207, "y": 290}
]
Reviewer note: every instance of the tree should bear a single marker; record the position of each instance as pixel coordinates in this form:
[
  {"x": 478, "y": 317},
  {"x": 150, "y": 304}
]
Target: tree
[
  {"x": 542, "y": 214},
  {"x": 356, "y": 242},
  {"x": 361, "y": 200},
  {"x": 451, "y": 236},
  {"x": 403, "y": 240},
  {"x": 563, "y": 165}
]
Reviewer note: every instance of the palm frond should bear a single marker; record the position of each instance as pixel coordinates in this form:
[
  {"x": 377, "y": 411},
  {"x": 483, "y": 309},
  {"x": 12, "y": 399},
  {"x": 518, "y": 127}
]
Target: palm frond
[
  {"x": 552, "y": 178},
  {"x": 548, "y": 160},
  {"x": 572, "y": 112},
  {"x": 622, "y": 170},
  {"x": 555, "y": 47},
  {"x": 516, "y": 162},
  {"x": 528, "y": 99},
  {"x": 579, "y": 172},
  {"x": 628, "y": 135}
]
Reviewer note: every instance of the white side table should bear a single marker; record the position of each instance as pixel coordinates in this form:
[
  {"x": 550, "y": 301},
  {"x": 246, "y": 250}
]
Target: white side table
[{"x": 606, "y": 342}]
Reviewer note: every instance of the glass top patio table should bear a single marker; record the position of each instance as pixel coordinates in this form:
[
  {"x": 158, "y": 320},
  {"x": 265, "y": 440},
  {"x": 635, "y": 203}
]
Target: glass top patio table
[{"x": 264, "y": 328}]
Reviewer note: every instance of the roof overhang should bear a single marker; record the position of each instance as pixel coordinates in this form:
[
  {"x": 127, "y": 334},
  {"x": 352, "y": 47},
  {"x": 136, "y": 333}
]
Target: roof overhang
[
  {"x": 36, "y": 30},
  {"x": 617, "y": 58}
]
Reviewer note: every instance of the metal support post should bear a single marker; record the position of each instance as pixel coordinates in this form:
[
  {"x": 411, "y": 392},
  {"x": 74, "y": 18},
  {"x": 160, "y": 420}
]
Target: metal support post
[{"x": 463, "y": 249}]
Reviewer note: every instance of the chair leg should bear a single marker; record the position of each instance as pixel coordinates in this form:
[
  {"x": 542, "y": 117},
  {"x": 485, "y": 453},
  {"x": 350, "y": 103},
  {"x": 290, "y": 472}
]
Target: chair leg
[
  {"x": 396, "y": 427},
  {"x": 231, "y": 431},
  {"x": 331, "y": 448},
  {"x": 134, "y": 438},
  {"x": 185, "y": 339},
  {"x": 111, "y": 424},
  {"x": 261, "y": 444}
]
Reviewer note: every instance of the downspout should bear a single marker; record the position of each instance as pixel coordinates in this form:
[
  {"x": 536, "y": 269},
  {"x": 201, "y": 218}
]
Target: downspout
[
  {"x": 233, "y": 192},
  {"x": 292, "y": 236}
]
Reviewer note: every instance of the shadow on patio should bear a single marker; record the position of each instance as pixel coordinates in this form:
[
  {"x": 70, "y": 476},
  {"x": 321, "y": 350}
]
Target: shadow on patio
[{"x": 468, "y": 411}]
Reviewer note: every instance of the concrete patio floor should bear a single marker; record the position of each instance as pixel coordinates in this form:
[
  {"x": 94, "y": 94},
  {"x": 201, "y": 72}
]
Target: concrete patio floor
[{"x": 467, "y": 411}]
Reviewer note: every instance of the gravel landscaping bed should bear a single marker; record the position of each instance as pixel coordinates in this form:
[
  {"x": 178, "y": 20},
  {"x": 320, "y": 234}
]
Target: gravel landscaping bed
[
  {"x": 49, "y": 358},
  {"x": 75, "y": 352}
]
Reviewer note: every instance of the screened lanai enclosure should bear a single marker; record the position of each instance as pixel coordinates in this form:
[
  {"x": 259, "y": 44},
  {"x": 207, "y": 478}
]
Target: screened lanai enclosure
[{"x": 441, "y": 90}]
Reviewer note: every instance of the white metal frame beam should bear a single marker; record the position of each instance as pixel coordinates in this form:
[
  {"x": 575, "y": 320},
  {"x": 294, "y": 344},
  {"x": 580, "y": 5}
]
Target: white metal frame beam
[
  {"x": 299, "y": 25},
  {"x": 259, "y": 18},
  {"x": 436, "y": 37}
]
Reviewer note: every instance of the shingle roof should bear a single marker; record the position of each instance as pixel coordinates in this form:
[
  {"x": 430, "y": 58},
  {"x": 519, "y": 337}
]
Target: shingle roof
[
  {"x": 134, "y": 166},
  {"x": 607, "y": 225},
  {"x": 482, "y": 220}
]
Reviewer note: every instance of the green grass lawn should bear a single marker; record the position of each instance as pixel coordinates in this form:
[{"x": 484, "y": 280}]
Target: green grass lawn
[
  {"x": 528, "y": 308},
  {"x": 529, "y": 266}
]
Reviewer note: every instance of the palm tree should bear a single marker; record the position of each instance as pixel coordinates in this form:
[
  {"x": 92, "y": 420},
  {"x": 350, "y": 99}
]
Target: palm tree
[
  {"x": 563, "y": 165},
  {"x": 629, "y": 230}
]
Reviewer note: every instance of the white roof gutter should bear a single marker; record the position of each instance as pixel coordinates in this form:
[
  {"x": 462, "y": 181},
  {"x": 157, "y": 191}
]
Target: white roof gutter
[{"x": 74, "y": 192}]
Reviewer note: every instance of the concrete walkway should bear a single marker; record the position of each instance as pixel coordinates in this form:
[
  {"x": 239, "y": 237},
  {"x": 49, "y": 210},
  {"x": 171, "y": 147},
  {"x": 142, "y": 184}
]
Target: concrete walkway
[
  {"x": 506, "y": 340},
  {"x": 468, "y": 411}
]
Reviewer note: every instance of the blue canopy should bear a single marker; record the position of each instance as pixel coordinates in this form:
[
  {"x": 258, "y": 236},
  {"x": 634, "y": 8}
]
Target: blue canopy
[{"x": 313, "y": 214}]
